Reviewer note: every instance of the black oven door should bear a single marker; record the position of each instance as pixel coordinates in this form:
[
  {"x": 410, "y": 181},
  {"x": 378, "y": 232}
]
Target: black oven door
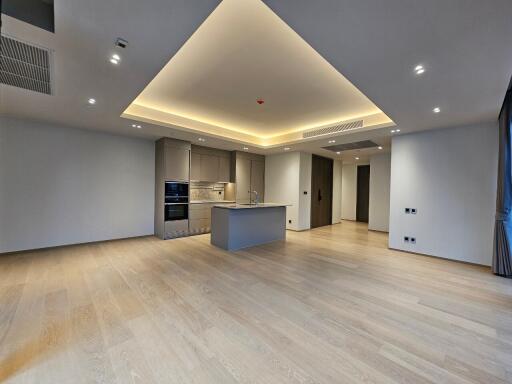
[
  {"x": 176, "y": 212},
  {"x": 176, "y": 192}
]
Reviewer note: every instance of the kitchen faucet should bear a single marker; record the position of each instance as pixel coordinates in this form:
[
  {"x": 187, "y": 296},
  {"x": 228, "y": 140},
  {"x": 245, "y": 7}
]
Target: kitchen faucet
[{"x": 256, "y": 201}]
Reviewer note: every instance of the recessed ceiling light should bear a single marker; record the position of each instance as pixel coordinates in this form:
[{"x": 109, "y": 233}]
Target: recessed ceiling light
[
  {"x": 138, "y": 126},
  {"x": 338, "y": 153},
  {"x": 357, "y": 158},
  {"x": 115, "y": 56},
  {"x": 436, "y": 110},
  {"x": 393, "y": 131},
  {"x": 246, "y": 148},
  {"x": 379, "y": 147},
  {"x": 201, "y": 139},
  {"x": 419, "y": 69},
  {"x": 332, "y": 141},
  {"x": 134, "y": 125},
  {"x": 286, "y": 148},
  {"x": 114, "y": 61},
  {"x": 91, "y": 101},
  {"x": 397, "y": 130}
]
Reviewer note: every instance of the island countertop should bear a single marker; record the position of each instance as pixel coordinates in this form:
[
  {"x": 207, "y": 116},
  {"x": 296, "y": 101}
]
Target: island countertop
[{"x": 250, "y": 206}]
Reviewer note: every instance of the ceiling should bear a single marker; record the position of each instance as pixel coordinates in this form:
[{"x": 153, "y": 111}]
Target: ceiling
[
  {"x": 375, "y": 44},
  {"x": 241, "y": 54}
]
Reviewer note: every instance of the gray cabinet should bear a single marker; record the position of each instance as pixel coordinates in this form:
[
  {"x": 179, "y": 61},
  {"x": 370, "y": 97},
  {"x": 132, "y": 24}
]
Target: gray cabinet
[
  {"x": 195, "y": 166},
  {"x": 209, "y": 168},
  {"x": 258, "y": 179},
  {"x": 200, "y": 217},
  {"x": 172, "y": 162},
  {"x": 249, "y": 176},
  {"x": 209, "y": 164},
  {"x": 243, "y": 180},
  {"x": 176, "y": 162},
  {"x": 224, "y": 169}
]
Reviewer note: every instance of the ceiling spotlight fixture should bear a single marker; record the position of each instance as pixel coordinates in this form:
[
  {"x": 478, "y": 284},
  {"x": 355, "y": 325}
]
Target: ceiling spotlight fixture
[
  {"x": 338, "y": 152},
  {"x": 115, "y": 59},
  {"x": 357, "y": 158},
  {"x": 91, "y": 101},
  {"x": 139, "y": 127},
  {"x": 136, "y": 126},
  {"x": 379, "y": 147},
  {"x": 286, "y": 148},
  {"x": 246, "y": 148},
  {"x": 436, "y": 110},
  {"x": 419, "y": 69},
  {"x": 397, "y": 130},
  {"x": 332, "y": 141},
  {"x": 201, "y": 139},
  {"x": 393, "y": 131}
]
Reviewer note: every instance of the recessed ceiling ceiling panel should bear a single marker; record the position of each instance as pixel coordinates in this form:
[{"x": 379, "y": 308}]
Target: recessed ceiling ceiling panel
[{"x": 246, "y": 71}]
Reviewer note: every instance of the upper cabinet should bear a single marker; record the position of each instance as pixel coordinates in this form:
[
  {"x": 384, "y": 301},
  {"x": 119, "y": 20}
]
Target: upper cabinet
[
  {"x": 195, "y": 166},
  {"x": 224, "y": 169},
  {"x": 209, "y": 168},
  {"x": 174, "y": 156},
  {"x": 209, "y": 164}
]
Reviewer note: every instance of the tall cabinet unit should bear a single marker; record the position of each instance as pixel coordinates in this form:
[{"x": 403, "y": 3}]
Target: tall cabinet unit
[
  {"x": 248, "y": 172},
  {"x": 172, "y": 163}
]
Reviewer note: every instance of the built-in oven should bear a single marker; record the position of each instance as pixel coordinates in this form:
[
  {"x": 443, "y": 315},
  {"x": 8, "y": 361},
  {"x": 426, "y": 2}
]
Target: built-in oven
[
  {"x": 176, "y": 192},
  {"x": 175, "y": 211}
]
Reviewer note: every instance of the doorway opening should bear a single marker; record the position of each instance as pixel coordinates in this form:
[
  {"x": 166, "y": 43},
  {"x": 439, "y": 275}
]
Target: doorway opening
[{"x": 363, "y": 193}]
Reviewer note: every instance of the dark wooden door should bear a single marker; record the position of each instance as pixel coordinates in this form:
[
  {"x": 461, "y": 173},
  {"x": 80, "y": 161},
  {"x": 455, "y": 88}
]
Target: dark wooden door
[
  {"x": 321, "y": 191},
  {"x": 363, "y": 193}
]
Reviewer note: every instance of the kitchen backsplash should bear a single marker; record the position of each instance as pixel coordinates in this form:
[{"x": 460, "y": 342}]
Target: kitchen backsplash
[{"x": 206, "y": 191}]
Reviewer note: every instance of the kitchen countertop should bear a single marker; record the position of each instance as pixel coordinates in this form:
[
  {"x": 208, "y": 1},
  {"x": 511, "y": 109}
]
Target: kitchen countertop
[
  {"x": 212, "y": 202},
  {"x": 251, "y": 206}
]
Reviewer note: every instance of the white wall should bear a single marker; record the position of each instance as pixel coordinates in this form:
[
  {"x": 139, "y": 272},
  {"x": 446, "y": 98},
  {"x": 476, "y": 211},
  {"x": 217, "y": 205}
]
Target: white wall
[
  {"x": 336, "y": 191},
  {"x": 287, "y": 176},
  {"x": 60, "y": 186},
  {"x": 380, "y": 175},
  {"x": 348, "y": 191},
  {"x": 449, "y": 176}
]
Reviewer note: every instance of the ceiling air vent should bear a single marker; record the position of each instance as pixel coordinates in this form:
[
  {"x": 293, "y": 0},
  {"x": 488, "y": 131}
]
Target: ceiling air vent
[
  {"x": 24, "y": 66},
  {"x": 333, "y": 129},
  {"x": 351, "y": 146}
]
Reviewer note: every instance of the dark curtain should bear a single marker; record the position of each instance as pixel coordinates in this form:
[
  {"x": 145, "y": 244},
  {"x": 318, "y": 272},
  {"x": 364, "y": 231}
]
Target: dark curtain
[{"x": 502, "y": 256}]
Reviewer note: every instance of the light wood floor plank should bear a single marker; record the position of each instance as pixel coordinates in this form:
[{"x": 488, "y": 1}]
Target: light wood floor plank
[{"x": 330, "y": 305}]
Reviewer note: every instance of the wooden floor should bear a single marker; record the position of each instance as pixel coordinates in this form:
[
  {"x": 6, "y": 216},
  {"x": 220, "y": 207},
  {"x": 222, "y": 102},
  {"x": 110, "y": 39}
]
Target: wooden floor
[{"x": 331, "y": 305}]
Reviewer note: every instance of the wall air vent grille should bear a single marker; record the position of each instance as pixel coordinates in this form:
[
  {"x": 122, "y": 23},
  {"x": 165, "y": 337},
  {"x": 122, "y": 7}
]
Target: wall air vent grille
[
  {"x": 333, "y": 129},
  {"x": 24, "y": 66}
]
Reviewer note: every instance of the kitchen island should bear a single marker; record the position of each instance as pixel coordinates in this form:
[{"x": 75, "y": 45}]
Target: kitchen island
[{"x": 238, "y": 226}]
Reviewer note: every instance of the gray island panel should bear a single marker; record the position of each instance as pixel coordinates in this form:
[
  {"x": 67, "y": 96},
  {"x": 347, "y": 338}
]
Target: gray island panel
[{"x": 240, "y": 226}]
